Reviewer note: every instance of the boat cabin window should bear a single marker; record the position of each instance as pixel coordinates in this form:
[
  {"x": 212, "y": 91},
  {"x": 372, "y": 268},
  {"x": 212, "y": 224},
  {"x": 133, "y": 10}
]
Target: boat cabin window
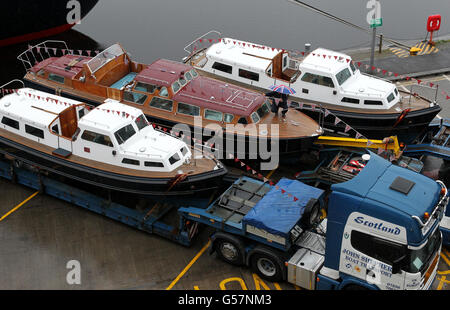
[
  {"x": 34, "y": 131},
  {"x": 175, "y": 87},
  {"x": 318, "y": 79},
  {"x": 188, "y": 76},
  {"x": 161, "y": 103},
  {"x": 183, "y": 150},
  {"x": 134, "y": 97},
  {"x": 391, "y": 97},
  {"x": 141, "y": 122},
  {"x": 182, "y": 81},
  {"x": 350, "y": 100},
  {"x": 154, "y": 164},
  {"x": 249, "y": 75},
  {"x": 56, "y": 78},
  {"x": 255, "y": 117},
  {"x": 263, "y": 110},
  {"x": 243, "y": 121},
  {"x": 396, "y": 91},
  {"x": 352, "y": 66},
  {"x": 10, "y": 122},
  {"x": 174, "y": 158},
  {"x": 96, "y": 138},
  {"x": 41, "y": 73},
  {"x": 222, "y": 67},
  {"x": 80, "y": 113},
  {"x": 213, "y": 115},
  {"x": 343, "y": 76},
  {"x": 228, "y": 118},
  {"x": 148, "y": 88},
  {"x": 125, "y": 133},
  {"x": 131, "y": 161},
  {"x": 285, "y": 59},
  {"x": 373, "y": 102},
  {"x": 163, "y": 92},
  {"x": 55, "y": 129},
  {"x": 187, "y": 109},
  {"x": 194, "y": 73}
]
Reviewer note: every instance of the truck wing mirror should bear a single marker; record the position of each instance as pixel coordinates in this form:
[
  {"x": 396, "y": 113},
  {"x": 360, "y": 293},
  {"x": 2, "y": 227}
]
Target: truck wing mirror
[{"x": 398, "y": 264}]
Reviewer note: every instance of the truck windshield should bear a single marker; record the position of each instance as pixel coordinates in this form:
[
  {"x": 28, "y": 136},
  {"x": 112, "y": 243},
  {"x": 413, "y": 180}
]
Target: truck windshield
[{"x": 418, "y": 259}]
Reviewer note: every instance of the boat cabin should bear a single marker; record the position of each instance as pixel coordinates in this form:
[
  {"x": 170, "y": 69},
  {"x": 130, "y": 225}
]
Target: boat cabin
[
  {"x": 112, "y": 133},
  {"x": 165, "y": 88},
  {"x": 322, "y": 76}
]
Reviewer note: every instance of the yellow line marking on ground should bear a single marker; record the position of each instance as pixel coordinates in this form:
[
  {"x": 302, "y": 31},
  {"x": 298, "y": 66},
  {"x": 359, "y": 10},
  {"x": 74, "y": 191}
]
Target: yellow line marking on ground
[
  {"x": 18, "y": 206},
  {"x": 192, "y": 262}
]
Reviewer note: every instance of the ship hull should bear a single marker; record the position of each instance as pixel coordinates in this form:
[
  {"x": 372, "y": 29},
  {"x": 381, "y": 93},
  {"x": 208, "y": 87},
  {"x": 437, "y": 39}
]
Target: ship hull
[{"x": 37, "y": 19}]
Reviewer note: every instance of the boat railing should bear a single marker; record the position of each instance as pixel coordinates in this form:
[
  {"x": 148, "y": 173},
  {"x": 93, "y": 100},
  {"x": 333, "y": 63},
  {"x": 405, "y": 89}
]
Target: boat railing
[
  {"x": 368, "y": 95},
  {"x": 4, "y": 90},
  {"x": 422, "y": 86},
  {"x": 202, "y": 42},
  {"x": 376, "y": 77},
  {"x": 40, "y": 52}
]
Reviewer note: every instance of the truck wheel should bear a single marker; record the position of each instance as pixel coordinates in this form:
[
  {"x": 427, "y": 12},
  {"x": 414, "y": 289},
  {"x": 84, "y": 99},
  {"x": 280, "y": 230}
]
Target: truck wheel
[
  {"x": 267, "y": 267},
  {"x": 230, "y": 250}
]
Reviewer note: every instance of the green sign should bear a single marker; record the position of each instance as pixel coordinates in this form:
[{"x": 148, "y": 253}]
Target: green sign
[{"x": 374, "y": 23}]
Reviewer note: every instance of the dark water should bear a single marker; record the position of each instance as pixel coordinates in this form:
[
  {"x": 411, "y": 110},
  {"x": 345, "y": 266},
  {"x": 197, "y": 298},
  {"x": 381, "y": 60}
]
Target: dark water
[{"x": 161, "y": 28}]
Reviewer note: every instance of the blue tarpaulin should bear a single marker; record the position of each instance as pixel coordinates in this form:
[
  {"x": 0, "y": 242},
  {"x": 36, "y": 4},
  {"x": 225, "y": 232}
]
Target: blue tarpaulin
[{"x": 277, "y": 212}]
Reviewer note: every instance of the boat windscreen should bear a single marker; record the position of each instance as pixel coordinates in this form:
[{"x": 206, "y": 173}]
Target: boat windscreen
[
  {"x": 104, "y": 57},
  {"x": 124, "y": 133},
  {"x": 141, "y": 122}
]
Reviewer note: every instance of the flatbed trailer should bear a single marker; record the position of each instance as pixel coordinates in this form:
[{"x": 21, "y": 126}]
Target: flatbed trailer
[{"x": 150, "y": 218}]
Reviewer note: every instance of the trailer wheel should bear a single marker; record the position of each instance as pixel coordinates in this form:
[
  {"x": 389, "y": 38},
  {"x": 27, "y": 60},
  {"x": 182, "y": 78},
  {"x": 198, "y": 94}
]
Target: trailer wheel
[
  {"x": 230, "y": 250},
  {"x": 267, "y": 266}
]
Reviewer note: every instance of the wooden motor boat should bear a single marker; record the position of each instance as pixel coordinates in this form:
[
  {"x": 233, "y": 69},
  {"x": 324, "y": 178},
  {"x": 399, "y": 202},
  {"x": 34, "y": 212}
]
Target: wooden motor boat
[
  {"x": 372, "y": 106},
  {"x": 112, "y": 146},
  {"x": 171, "y": 93}
]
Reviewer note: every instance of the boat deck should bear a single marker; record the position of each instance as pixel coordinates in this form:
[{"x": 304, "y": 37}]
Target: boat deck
[{"x": 197, "y": 165}]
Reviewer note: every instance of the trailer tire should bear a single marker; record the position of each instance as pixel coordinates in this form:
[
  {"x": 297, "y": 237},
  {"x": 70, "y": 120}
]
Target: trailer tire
[
  {"x": 311, "y": 214},
  {"x": 267, "y": 265},
  {"x": 230, "y": 249}
]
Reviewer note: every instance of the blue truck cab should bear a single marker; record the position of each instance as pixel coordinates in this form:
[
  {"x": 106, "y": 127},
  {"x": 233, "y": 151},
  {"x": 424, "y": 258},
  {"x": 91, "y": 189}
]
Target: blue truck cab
[{"x": 381, "y": 232}]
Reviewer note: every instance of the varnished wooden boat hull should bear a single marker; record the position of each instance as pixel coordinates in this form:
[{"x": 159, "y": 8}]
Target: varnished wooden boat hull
[{"x": 287, "y": 147}]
